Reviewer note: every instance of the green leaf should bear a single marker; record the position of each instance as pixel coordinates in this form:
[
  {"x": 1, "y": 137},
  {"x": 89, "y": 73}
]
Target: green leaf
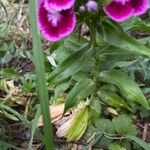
[
  {"x": 109, "y": 65},
  {"x": 128, "y": 87},
  {"x": 71, "y": 65},
  {"x": 146, "y": 146},
  {"x": 108, "y": 52},
  {"x": 115, "y": 146},
  {"x": 10, "y": 116},
  {"x": 104, "y": 2},
  {"x": 6, "y": 146},
  {"x": 143, "y": 26},
  {"x": 22, "y": 118},
  {"x": 105, "y": 125},
  {"x": 79, "y": 125},
  {"x": 89, "y": 132},
  {"x": 4, "y": 86},
  {"x": 123, "y": 125},
  {"x": 34, "y": 127},
  {"x": 112, "y": 99},
  {"x": 10, "y": 73},
  {"x": 117, "y": 37},
  {"x": 80, "y": 91},
  {"x": 61, "y": 88},
  {"x": 67, "y": 46},
  {"x": 40, "y": 76},
  {"x": 80, "y": 76},
  {"x": 95, "y": 108}
]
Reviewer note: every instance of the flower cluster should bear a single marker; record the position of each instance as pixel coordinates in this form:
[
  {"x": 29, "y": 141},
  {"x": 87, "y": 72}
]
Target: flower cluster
[
  {"x": 56, "y": 18},
  {"x": 121, "y": 10}
]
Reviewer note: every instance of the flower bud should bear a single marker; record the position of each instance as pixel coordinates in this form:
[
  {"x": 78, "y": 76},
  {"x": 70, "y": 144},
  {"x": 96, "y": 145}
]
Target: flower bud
[
  {"x": 82, "y": 9},
  {"x": 91, "y": 6}
]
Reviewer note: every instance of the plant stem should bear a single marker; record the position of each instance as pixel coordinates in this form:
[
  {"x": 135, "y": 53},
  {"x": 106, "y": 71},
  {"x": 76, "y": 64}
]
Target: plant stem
[
  {"x": 92, "y": 35},
  {"x": 40, "y": 73}
]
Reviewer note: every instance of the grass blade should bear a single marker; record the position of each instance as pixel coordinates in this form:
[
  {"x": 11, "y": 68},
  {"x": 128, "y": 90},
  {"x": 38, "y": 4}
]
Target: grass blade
[
  {"x": 34, "y": 127},
  {"x": 23, "y": 119},
  {"x": 40, "y": 73},
  {"x": 140, "y": 142},
  {"x": 5, "y": 145}
]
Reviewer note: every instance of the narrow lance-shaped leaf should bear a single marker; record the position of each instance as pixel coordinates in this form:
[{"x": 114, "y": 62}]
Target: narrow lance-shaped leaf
[
  {"x": 73, "y": 64},
  {"x": 22, "y": 118},
  {"x": 146, "y": 146},
  {"x": 113, "y": 99},
  {"x": 61, "y": 88},
  {"x": 40, "y": 76},
  {"x": 95, "y": 108},
  {"x": 128, "y": 87},
  {"x": 67, "y": 62},
  {"x": 117, "y": 37},
  {"x": 4, "y": 145},
  {"x": 67, "y": 46},
  {"x": 80, "y": 91}
]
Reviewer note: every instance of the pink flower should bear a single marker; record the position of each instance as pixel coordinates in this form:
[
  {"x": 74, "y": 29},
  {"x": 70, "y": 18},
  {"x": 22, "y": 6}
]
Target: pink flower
[
  {"x": 121, "y": 10},
  {"x": 54, "y": 24},
  {"x": 59, "y": 4}
]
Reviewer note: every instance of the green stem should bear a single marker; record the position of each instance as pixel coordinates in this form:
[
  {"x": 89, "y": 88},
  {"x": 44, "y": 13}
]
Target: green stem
[
  {"x": 93, "y": 35},
  {"x": 40, "y": 73}
]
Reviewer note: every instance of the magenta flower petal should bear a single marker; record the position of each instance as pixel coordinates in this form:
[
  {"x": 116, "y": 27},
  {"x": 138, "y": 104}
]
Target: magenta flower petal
[
  {"x": 55, "y": 25},
  {"x": 59, "y": 4},
  {"x": 119, "y": 11},
  {"x": 140, "y": 6}
]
